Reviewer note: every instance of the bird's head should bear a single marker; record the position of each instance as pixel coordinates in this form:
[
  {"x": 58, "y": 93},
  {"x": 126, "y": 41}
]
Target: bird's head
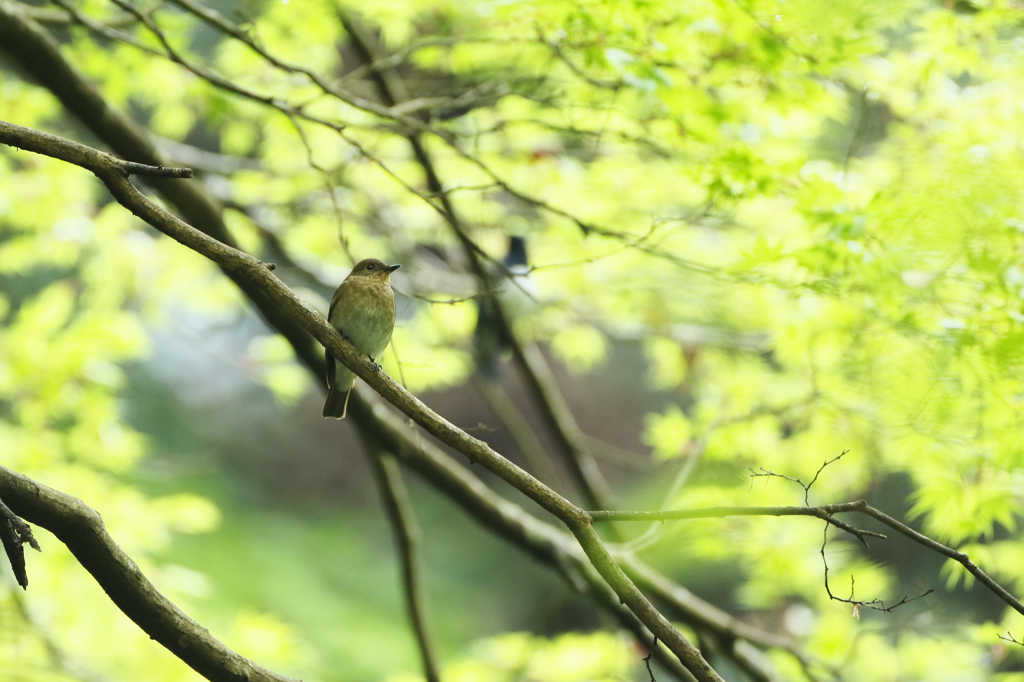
[{"x": 376, "y": 269}]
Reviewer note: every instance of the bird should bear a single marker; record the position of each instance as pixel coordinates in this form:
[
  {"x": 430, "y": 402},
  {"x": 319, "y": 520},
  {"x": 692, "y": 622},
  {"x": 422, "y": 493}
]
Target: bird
[
  {"x": 514, "y": 289},
  {"x": 363, "y": 311}
]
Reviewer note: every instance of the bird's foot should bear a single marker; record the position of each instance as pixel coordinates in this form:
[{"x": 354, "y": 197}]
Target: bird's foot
[{"x": 378, "y": 367}]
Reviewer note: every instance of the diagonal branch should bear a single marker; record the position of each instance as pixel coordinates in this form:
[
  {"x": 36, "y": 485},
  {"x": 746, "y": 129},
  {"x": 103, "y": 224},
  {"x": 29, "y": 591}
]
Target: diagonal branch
[
  {"x": 80, "y": 528},
  {"x": 825, "y": 512},
  {"x": 537, "y": 538},
  {"x": 36, "y": 51},
  {"x": 945, "y": 551},
  {"x": 539, "y": 378},
  {"x": 551, "y": 546},
  {"x": 258, "y": 275},
  {"x": 32, "y": 47}
]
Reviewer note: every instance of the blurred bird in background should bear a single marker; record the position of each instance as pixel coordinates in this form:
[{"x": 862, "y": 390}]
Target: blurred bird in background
[
  {"x": 515, "y": 293},
  {"x": 363, "y": 311}
]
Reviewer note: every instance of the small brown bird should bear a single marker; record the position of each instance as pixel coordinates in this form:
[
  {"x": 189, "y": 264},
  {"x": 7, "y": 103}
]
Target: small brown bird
[{"x": 363, "y": 311}]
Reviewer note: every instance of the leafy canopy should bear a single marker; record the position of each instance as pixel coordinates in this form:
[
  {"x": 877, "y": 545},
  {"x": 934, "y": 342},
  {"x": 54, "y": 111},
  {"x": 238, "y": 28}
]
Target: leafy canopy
[{"x": 833, "y": 185}]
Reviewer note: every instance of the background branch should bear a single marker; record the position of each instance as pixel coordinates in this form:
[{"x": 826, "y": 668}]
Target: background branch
[
  {"x": 402, "y": 518},
  {"x": 81, "y": 529},
  {"x": 530, "y": 361},
  {"x": 549, "y": 545},
  {"x": 257, "y": 274},
  {"x": 29, "y": 45},
  {"x": 824, "y": 512}
]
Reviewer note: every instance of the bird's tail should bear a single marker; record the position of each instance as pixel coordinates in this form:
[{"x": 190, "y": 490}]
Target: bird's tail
[{"x": 336, "y": 406}]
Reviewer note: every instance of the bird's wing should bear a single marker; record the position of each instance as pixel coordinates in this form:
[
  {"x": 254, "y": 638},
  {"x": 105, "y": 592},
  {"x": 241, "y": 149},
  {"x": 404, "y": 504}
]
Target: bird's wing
[
  {"x": 334, "y": 302},
  {"x": 331, "y": 368}
]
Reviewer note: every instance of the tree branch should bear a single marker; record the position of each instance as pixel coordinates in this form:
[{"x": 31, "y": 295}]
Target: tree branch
[
  {"x": 40, "y": 55},
  {"x": 531, "y": 362},
  {"x": 65, "y": 150},
  {"x": 942, "y": 549},
  {"x": 258, "y": 275},
  {"x": 35, "y": 50},
  {"x": 13, "y": 534},
  {"x": 541, "y": 540},
  {"x": 824, "y": 512},
  {"x": 398, "y": 506},
  {"x": 80, "y": 528},
  {"x": 518, "y": 427}
]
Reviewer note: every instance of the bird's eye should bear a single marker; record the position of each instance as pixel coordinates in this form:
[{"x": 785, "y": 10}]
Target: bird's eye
[{"x": 370, "y": 266}]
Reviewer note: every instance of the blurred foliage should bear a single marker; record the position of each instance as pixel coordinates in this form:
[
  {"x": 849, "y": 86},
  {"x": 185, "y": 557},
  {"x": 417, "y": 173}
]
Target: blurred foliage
[
  {"x": 573, "y": 657},
  {"x": 841, "y": 179}
]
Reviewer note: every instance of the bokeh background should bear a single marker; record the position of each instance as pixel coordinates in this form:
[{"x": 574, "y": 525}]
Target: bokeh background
[{"x": 759, "y": 234}]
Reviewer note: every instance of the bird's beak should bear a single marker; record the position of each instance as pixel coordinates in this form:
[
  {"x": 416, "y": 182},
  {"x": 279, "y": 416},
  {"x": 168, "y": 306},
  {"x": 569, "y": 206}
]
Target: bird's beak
[{"x": 391, "y": 268}]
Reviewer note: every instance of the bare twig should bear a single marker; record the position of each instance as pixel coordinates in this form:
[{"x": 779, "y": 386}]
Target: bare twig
[
  {"x": 942, "y": 549},
  {"x": 806, "y": 486},
  {"x": 858, "y": 604},
  {"x": 1010, "y": 638},
  {"x": 826, "y": 512},
  {"x": 647, "y": 658}
]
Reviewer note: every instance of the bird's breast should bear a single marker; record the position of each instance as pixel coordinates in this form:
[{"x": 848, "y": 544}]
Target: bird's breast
[{"x": 364, "y": 311}]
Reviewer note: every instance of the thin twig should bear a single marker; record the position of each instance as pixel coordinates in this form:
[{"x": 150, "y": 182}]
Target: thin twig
[
  {"x": 858, "y": 604},
  {"x": 942, "y": 549},
  {"x": 647, "y": 658},
  {"x": 806, "y": 486},
  {"x": 1010, "y": 638},
  {"x": 824, "y": 512}
]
